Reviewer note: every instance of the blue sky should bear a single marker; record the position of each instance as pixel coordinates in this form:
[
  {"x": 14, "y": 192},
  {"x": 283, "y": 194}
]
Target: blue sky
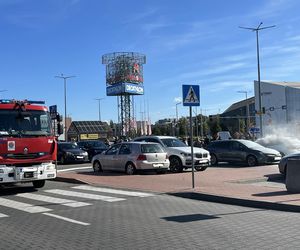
[{"x": 185, "y": 42}]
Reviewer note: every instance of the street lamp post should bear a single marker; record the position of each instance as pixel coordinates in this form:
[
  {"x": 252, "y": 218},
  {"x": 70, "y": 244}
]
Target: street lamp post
[
  {"x": 176, "y": 127},
  {"x": 247, "y": 109},
  {"x": 65, "y": 97},
  {"x": 99, "y": 109},
  {"x": 258, "y": 70}
]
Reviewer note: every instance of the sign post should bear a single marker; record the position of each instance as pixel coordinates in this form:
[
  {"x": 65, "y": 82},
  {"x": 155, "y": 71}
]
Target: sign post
[{"x": 191, "y": 97}]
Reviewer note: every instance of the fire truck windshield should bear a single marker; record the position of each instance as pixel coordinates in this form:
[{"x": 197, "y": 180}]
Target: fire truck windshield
[{"x": 24, "y": 123}]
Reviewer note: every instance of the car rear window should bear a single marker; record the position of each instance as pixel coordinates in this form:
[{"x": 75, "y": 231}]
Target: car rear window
[{"x": 151, "y": 148}]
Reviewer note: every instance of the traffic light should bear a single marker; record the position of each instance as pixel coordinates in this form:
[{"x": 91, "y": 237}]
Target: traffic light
[
  {"x": 58, "y": 117},
  {"x": 263, "y": 110}
]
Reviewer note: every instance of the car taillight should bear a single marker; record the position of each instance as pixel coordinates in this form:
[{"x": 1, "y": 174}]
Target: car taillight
[{"x": 141, "y": 158}]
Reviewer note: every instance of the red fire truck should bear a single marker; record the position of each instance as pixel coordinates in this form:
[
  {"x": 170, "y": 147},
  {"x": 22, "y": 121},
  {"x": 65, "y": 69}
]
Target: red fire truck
[{"x": 27, "y": 143}]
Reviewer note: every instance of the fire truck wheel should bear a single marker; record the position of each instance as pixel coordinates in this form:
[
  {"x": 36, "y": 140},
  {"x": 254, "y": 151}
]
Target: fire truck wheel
[{"x": 38, "y": 184}]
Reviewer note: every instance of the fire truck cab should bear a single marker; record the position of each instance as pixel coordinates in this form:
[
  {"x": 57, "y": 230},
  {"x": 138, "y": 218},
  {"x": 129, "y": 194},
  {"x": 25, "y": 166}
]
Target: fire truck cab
[{"x": 27, "y": 143}]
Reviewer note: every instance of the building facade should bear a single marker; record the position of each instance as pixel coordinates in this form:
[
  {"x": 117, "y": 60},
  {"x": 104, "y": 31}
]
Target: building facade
[{"x": 280, "y": 104}]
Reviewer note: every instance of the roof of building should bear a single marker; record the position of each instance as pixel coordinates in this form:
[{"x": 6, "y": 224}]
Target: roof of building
[
  {"x": 285, "y": 84},
  {"x": 90, "y": 126},
  {"x": 240, "y": 104}
]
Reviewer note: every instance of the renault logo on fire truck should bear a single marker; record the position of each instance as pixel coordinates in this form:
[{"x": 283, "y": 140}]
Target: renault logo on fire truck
[{"x": 25, "y": 151}]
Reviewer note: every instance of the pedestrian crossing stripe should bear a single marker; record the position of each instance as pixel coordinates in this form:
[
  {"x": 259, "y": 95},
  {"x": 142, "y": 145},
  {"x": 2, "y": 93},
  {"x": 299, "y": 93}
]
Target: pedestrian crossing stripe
[
  {"x": 23, "y": 206},
  {"x": 191, "y": 96},
  {"x": 113, "y": 191},
  {"x": 3, "y": 215},
  {"x": 84, "y": 195},
  {"x": 49, "y": 199}
]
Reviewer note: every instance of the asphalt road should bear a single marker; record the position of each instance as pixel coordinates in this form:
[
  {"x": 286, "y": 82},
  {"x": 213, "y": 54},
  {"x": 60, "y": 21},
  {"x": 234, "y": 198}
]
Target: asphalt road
[
  {"x": 75, "y": 167},
  {"x": 69, "y": 216}
]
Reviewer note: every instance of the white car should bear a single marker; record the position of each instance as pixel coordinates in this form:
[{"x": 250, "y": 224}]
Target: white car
[
  {"x": 179, "y": 153},
  {"x": 131, "y": 157}
]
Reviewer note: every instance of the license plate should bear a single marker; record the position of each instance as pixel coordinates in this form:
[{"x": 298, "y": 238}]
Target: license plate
[
  {"x": 157, "y": 165},
  {"x": 79, "y": 157},
  {"x": 28, "y": 175}
]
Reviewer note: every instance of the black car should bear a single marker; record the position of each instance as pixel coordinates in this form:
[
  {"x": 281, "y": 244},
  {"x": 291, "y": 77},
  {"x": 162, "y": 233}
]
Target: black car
[
  {"x": 242, "y": 151},
  {"x": 92, "y": 147},
  {"x": 68, "y": 152}
]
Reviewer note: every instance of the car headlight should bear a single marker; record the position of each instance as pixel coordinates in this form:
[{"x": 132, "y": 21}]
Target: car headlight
[
  {"x": 85, "y": 153},
  {"x": 271, "y": 155},
  {"x": 185, "y": 154}
]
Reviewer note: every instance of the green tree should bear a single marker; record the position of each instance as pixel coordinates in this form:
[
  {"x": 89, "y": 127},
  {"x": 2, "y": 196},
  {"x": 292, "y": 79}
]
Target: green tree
[{"x": 215, "y": 127}]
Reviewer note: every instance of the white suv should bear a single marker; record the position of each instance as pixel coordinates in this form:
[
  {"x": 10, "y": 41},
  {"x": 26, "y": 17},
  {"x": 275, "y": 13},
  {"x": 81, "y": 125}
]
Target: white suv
[{"x": 179, "y": 153}]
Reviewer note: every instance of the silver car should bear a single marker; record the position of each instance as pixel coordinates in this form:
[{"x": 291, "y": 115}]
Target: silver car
[
  {"x": 284, "y": 160},
  {"x": 132, "y": 156}
]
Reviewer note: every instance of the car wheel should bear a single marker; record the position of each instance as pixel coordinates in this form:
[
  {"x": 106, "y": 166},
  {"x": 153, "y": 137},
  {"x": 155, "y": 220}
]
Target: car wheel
[
  {"x": 39, "y": 183},
  {"x": 202, "y": 168},
  {"x": 175, "y": 165},
  {"x": 214, "y": 159},
  {"x": 130, "y": 169},
  {"x": 251, "y": 161},
  {"x": 97, "y": 166}
]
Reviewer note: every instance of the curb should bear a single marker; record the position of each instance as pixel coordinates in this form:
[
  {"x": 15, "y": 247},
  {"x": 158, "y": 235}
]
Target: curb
[
  {"x": 238, "y": 201},
  {"x": 69, "y": 180}
]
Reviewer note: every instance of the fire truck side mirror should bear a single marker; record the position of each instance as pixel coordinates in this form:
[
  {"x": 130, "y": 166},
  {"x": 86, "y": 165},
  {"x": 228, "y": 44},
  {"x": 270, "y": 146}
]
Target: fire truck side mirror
[{"x": 59, "y": 129}]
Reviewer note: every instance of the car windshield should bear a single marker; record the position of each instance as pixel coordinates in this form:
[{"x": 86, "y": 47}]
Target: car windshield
[
  {"x": 69, "y": 146},
  {"x": 151, "y": 148},
  {"x": 173, "y": 142},
  {"x": 251, "y": 144},
  {"x": 24, "y": 123}
]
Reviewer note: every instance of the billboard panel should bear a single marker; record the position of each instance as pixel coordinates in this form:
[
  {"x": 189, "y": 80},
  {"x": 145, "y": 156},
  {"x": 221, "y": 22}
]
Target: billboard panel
[{"x": 124, "y": 88}]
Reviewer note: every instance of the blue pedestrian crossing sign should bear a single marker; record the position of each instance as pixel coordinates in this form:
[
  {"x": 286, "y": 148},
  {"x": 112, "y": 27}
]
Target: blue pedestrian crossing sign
[{"x": 190, "y": 95}]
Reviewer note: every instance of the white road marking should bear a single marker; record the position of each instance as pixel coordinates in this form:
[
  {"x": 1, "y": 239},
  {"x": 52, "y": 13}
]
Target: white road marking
[
  {"x": 113, "y": 191},
  {"x": 71, "y": 169},
  {"x": 84, "y": 195},
  {"x": 48, "y": 199},
  {"x": 23, "y": 206},
  {"x": 3, "y": 215},
  {"x": 67, "y": 219}
]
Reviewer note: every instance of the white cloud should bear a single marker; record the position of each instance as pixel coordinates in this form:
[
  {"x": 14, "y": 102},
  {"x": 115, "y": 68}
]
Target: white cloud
[{"x": 178, "y": 99}]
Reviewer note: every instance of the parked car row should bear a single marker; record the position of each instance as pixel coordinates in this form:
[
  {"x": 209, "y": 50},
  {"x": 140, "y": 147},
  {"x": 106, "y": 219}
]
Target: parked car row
[
  {"x": 162, "y": 153},
  {"x": 158, "y": 153}
]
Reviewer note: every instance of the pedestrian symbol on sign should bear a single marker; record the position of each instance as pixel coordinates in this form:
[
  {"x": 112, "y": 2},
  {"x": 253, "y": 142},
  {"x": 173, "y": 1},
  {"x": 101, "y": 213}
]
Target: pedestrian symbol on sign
[{"x": 191, "y": 96}]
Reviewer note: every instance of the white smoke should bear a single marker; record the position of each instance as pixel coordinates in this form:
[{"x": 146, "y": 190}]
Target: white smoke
[{"x": 284, "y": 139}]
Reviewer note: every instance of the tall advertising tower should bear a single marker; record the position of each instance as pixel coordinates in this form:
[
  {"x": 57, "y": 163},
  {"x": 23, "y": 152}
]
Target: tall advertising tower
[{"x": 124, "y": 79}]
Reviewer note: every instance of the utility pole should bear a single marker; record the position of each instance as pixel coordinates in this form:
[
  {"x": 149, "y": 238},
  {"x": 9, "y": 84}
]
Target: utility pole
[
  {"x": 65, "y": 97},
  {"x": 176, "y": 127},
  {"x": 99, "y": 108},
  {"x": 258, "y": 70}
]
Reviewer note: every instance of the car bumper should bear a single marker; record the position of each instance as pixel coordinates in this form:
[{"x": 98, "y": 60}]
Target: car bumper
[
  {"x": 77, "y": 158},
  {"x": 197, "y": 162},
  {"x": 143, "y": 165}
]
